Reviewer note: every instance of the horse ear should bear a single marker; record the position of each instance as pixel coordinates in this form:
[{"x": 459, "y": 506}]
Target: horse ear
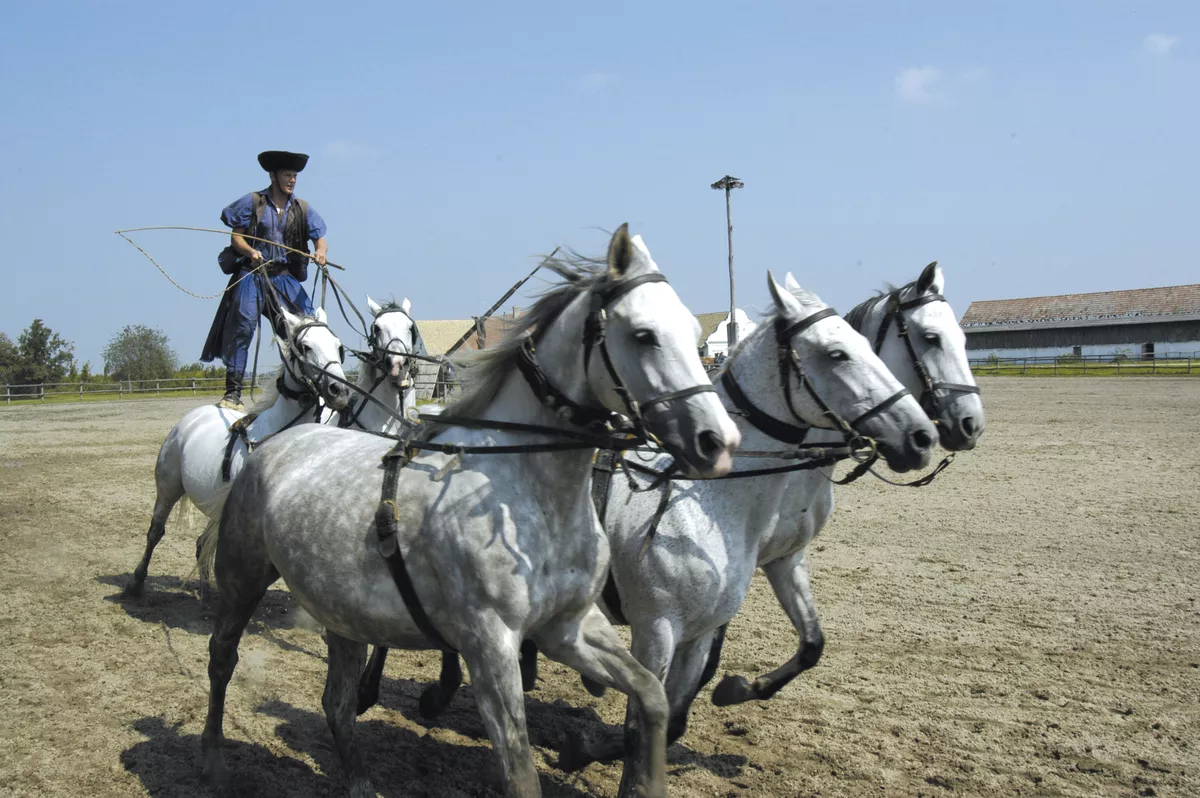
[
  {"x": 620, "y": 252},
  {"x": 320, "y": 315},
  {"x": 931, "y": 279},
  {"x": 789, "y": 282},
  {"x": 787, "y": 305},
  {"x": 373, "y": 306},
  {"x": 406, "y": 306}
]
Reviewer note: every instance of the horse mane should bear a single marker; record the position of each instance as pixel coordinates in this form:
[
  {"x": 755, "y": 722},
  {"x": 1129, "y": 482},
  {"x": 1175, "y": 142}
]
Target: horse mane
[
  {"x": 858, "y": 314},
  {"x": 269, "y": 392},
  {"x": 769, "y": 318},
  {"x": 485, "y": 371}
]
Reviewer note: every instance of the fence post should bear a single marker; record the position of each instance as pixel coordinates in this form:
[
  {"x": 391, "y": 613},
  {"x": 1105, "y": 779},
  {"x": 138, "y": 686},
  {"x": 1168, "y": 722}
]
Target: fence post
[
  {"x": 156, "y": 384},
  {"x": 193, "y": 386},
  {"x": 8, "y": 390},
  {"x": 1085, "y": 366},
  {"x": 81, "y": 391}
]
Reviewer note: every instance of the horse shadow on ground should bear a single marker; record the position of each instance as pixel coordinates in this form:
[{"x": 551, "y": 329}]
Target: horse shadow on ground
[
  {"x": 175, "y": 603},
  {"x": 549, "y": 724},
  {"x": 400, "y": 762}
]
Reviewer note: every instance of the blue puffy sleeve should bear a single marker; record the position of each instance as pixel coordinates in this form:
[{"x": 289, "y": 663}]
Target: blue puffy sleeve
[
  {"x": 316, "y": 225},
  {"x": 239, "y": 212}
]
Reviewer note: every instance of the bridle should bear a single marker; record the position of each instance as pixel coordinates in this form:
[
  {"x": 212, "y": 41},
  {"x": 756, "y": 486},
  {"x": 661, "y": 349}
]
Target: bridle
[
  {"x": 595, "y": 337},
  {"x": 790, "y": 364},
  {"x": 308, "y": 374},
  {"x": 930, "y": 401},
  {"x": 375, "y": 358}
]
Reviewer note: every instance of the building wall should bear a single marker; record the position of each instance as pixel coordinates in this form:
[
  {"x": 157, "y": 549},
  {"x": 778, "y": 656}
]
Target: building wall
[
  {"x": 718, "y": 342},
  {"x": 1180, "y": 336},
  {"x": 1131, "y": 350}
]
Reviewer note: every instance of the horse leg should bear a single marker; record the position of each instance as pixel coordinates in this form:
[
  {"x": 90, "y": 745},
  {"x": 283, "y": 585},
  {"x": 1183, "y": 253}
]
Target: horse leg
[
  {"x": 492, "y": 659},
  {"x": 169, "y": 490},
  {"x": 368, "y": 685},
  {"x": 437, "y": 696},
  {"x": 789, "y": 580},
  {"x": 238, "y": 601},
  {"x": 592, "y": 647},
  {"x": 340, "y": 700}
]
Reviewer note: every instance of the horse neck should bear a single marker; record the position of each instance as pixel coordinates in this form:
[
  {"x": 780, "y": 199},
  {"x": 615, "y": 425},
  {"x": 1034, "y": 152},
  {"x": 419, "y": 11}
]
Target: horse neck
[
  {"x": 374, "y": 418},
  {"x": 284, "y": 411},
  {"x": 558, "y": 351},
  {"x": 892, "y": 352},
  {"x": 755, "y": 366}
]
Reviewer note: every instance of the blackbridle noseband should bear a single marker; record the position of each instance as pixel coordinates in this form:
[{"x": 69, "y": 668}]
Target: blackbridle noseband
[
  {"x": 305, "y": 378},
  {"x": 381, "y": 350},
  {"x": 790, "y": 363},
  {"x": 595, "y": 337},
  {"x": 931, "y": 403}
]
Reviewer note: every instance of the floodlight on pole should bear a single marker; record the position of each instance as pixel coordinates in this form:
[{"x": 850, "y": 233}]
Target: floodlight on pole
[{"x": 729, "y": 183}]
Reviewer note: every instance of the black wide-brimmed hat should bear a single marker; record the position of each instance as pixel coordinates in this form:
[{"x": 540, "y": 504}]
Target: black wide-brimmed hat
[{"x": 280, "y": 160}]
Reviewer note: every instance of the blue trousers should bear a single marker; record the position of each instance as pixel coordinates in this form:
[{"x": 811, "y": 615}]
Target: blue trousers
[{"x": 248, "y": 299}]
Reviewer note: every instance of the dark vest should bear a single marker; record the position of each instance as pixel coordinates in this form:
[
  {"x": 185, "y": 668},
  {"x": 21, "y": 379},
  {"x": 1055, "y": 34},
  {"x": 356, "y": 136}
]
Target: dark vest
[{"x": 295, "y": 233}]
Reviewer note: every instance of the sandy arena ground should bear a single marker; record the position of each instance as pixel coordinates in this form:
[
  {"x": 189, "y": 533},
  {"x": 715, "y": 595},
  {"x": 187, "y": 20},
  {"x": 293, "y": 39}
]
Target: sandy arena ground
[{"x": 1026, "y": 626}]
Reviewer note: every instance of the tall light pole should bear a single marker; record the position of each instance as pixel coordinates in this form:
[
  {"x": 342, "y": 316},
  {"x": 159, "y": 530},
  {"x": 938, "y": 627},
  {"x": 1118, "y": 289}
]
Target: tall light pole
[{"x": 729, "y": 184}]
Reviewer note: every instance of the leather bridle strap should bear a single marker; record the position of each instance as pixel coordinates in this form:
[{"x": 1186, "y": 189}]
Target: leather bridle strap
[
  {"x": 763, "y": 422},
  {"x": 930, "y": 401}
]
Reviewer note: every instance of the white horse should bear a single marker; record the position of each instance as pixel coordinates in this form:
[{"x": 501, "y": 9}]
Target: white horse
[
  {"x": 385, "y": 374},
  {"x": 499, "y": 548},
  {"x": 692, "y": 579},
  {"x": 192, "y": 461}
]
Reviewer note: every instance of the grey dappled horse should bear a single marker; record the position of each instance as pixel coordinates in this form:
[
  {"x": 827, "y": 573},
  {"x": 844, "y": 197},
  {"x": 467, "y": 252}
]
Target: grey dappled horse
[{"x": 499, "y": 548}]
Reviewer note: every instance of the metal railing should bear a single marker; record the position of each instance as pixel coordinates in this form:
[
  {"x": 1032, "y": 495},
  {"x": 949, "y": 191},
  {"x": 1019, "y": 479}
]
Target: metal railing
[{"x": 1177, "y": 363}]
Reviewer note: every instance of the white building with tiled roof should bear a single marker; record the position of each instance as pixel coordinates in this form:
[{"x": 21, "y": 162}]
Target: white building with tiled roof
[{"x": 1138, "y": 322}]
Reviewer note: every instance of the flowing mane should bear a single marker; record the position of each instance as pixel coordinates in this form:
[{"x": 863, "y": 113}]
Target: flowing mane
[
  {"x": 806, "y": 298},
  {"x": 485, "y": 371},
  {"x": 858, "y": 315}
]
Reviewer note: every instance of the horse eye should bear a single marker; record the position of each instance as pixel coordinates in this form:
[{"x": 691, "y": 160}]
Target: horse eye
[
  {"x": 646, "y": 337},
  {"x": 341, "y": 354},
  {"x": 838, "y": 354},
  {"x": 933, "y": 338}
]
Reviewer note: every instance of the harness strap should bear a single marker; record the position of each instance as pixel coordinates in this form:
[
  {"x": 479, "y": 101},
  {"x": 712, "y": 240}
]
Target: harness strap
[
  {"x": 603, "y": 468},
  {"x": 387, "y": 519},
  {"x": 237, "y": 430},
  {"x": 550, "y": 395},
  {"x": 763, "y": 422},
  {"x": 882, "y": 406}
]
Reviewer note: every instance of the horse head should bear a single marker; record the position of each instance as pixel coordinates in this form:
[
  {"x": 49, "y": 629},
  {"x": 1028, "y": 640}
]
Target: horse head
[
  {"x": 313, "y": 356},
  {"x": 648, "y": 362},
  {"x": 832, "y": 379},
  {"x": 391, "y": 338}
]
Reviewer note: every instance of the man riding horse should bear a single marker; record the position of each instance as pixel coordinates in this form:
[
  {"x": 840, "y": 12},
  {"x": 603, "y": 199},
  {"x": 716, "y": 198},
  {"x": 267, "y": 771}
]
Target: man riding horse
[{"x": 278, "y": 217}]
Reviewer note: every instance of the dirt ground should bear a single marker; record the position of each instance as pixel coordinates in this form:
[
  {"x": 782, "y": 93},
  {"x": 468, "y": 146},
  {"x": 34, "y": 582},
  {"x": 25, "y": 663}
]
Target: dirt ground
[{"x": 1028, "y": 625}]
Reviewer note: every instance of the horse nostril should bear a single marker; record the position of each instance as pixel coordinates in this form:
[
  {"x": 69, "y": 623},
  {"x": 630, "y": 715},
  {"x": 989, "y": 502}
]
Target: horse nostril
[
  {"x": 337, "y": 389},
  {"x": 709, "y": 443},
  {"x": 922, "y": 441},
  {"x": 969, "y": 426}
]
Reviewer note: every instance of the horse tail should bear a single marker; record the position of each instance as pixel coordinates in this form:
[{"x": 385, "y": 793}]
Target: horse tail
[{"x": 206, "y": 552}]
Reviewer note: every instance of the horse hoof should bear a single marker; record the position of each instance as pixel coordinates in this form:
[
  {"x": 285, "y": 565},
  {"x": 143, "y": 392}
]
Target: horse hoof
[
  {"x": 732, "y": 690},
  {"x": 433, "y": 702},
  {"x": 594, "y": 687},
  {"x": 133, "y": 590}
]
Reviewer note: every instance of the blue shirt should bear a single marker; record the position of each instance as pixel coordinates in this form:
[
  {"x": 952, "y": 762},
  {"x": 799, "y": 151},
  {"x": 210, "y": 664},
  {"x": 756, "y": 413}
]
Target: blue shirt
[{"x": 240, "y": 213}]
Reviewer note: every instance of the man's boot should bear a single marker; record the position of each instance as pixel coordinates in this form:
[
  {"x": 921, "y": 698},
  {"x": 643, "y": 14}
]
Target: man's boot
[{"x": 233, "y": 392}]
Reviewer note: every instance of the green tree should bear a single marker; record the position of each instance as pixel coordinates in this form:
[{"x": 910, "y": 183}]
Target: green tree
[
  {"x": 43, "y": 354},
  {"x": 139, "y": 353},
  {"x": 85, "y": 373},
  {"x": 9, "y": 358}
]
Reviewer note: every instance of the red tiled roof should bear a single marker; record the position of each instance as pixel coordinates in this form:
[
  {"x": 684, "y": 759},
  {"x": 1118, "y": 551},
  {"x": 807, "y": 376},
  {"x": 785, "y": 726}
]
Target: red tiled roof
[{"x": 1172, "y": 300}]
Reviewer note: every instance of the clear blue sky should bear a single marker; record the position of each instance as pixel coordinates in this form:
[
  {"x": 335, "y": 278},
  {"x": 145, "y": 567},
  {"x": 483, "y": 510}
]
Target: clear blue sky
[{"x": 1031, "y": 147}]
